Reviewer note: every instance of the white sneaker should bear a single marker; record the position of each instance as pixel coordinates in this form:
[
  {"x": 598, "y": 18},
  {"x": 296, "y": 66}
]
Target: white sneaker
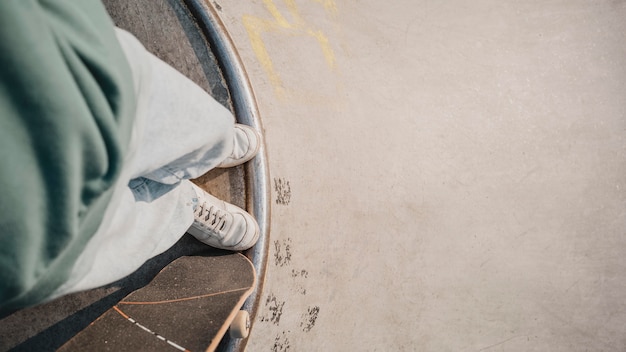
[
  {"x": 246, "y": 146},
  {"x": 222, "y": 225}
]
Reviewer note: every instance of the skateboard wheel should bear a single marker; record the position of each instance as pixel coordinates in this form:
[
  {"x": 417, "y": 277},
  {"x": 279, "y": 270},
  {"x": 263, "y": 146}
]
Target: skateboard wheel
[{"x": 240, "y": 327}]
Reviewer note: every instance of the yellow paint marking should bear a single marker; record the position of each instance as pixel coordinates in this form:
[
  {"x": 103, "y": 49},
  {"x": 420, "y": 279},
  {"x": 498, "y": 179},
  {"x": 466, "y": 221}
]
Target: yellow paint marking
[
  {"x": 329, "y": 55},
  {"x": 256, "y": 27},
  {"x": 295, "y": 13},
  {"x": 280, "y": 20}
]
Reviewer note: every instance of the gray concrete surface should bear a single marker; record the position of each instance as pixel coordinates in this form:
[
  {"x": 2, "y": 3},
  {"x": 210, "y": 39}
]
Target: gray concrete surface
[{"x": 448, "y": 176}]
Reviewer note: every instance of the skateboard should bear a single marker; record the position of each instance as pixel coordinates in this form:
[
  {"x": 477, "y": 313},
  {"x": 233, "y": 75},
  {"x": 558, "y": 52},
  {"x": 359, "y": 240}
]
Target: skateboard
[{"x": 188, "y": 306}]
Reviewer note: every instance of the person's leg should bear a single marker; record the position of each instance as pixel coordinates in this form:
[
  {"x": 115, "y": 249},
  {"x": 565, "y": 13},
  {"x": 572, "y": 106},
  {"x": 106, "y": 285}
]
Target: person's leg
[
  {"x": 133, "y": 233},
  {"x": 180, "y": 133},
  {"x": 187, "y": 134}
]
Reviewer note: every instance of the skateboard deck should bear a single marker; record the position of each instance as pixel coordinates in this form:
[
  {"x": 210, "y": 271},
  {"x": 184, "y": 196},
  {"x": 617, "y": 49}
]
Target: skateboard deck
[{"x": 188, "y": 306}]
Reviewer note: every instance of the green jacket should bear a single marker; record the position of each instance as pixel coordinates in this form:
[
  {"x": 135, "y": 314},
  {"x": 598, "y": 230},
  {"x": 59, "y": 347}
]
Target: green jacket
[{"x": 66, "y": 112}]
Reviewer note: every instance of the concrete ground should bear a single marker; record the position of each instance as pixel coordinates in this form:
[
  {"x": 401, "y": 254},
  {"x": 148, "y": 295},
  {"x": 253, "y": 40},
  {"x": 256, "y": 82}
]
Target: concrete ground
[{"x": 447, "y": 176}]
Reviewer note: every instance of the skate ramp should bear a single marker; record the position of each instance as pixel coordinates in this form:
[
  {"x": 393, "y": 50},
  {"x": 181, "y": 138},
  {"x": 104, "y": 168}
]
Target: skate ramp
[{"x": 446, "y": 176}]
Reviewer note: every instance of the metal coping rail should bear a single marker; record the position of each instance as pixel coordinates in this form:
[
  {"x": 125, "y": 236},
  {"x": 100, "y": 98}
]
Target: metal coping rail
[{"x": 256, "y": 171}]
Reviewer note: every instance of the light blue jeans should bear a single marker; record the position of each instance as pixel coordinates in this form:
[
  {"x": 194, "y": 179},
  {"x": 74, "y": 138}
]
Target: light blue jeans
[{"x": 180, "y": 133}]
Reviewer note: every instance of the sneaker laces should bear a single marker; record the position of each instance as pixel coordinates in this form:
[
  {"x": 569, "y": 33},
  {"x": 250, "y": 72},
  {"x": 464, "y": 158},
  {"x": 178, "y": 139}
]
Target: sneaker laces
[{"x": 215, "y": 219}]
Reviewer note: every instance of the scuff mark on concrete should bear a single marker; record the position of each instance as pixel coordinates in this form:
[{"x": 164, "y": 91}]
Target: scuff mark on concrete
[
  {"x": 298, "y": 276},
  {"x": 282, "y": 252},
  {"x": 283, "y": 191},
  {"x": 302, "y": 273},
  {"x": 274, "y": 310},
  {"x": 281, "y": 343},
  {"x": 309, "y": 318}
]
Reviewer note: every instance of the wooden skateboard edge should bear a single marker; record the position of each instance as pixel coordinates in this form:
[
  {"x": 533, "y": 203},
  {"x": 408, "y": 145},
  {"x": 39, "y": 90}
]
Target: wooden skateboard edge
[{"x": 226, "y": 325}]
